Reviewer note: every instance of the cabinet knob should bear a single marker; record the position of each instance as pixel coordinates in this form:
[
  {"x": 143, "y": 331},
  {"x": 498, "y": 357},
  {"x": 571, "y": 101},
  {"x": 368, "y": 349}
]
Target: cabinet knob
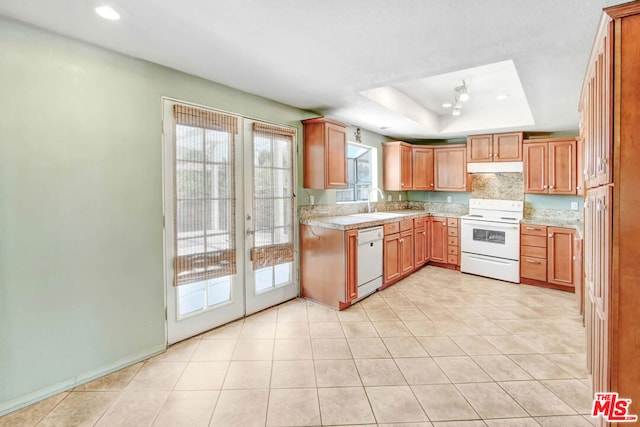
[
  {"x": 544, "y": 186},
  {"x": 579, "y": 187},
  {"x": 550, "y": 234},
  {"x": 431, "y": 184},
  {"x": 551, "y": 188}
]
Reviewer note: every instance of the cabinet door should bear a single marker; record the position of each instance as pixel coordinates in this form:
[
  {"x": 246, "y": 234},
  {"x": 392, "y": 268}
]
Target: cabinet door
[
  {"x": 580, "y": 171},
  {"x": 406, "y": 249},
  {"x": 352, "y": 265},
  {"x": 479, "y": 148},
  {"x": 420, "y": 247},
  {"x": 438, "y": 239},
  {"x": 391, "y": 257},
  {"x": 560, "y": 256},
  {"x": 562, "y": 167},
  {"x": 406, "y": 173},
  {"x": 423, "y": 168},
  {"x": 450, "y": 168},
  {"x": 577, "y": 272},
  {"x": 535, "y": 167},
  {"x": 507, "y": 147},
  {"x": 336, "y": 157}
]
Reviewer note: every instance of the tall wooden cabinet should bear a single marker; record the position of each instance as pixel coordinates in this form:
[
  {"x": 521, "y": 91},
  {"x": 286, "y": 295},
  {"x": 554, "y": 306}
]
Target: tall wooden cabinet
[
  {"x": 324, "y": 154},
  {"x": 610, "y": 125}
]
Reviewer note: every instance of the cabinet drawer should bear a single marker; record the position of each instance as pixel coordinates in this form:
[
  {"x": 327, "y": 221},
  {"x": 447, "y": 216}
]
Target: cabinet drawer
[
  {"x": 418, "y": 223},
  {"x": 533, "y": 268},
  {"x": 407, "y": 224},
  {"x": 533, "y": 230},
  {"x": 452, "y": 222},
  {"x": 452, "y": 250},
  {"x": 533, "y": 251},
  {"x": 452, "y": 259},
  {"x": 539, "y": 241},
  {"x": 391, "y": 228},
  {"x": 452, "y": 231},
  {"x": 452, "y": 241}
]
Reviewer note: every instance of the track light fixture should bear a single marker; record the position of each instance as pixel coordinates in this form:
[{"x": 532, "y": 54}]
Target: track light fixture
[{"x": 462, "y": 95}]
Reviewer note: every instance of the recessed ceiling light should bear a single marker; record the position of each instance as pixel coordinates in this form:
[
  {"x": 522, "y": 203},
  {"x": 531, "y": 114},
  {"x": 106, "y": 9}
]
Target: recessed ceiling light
[
  {"x": 446, "y": 105},
  {"x": 502, "y": 97},
  {"x": 107, "y": 12},
  {"x": 456, "y": 112}
]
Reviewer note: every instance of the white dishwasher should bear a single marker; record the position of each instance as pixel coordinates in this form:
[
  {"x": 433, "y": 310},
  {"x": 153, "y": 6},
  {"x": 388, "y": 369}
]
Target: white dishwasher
[{"x": 370, "y": 242}]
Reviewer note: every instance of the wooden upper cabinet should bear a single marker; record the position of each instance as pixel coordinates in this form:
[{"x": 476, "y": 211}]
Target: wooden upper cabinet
[
  {"x": 500, "y": 147},
  {"x": 507, "y": 147},
  {"x": 423, "y": 168},
  {"x": 406, "y": 168},
  {"x": 479, "y": 148},
  {"x": 562, "y": 167},
  {"x": 324, "y": 154},
  {"x": 535, "y": 168},
  {"x": 397, "y": 170},
  {"x": 450, "y": 168},
  {"x": 550, "y": 166}
]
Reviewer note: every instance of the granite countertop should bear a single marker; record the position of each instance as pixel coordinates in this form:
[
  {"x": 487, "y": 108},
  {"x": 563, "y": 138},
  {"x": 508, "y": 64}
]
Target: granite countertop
[
  {"x": 365, "y": 220},
  {"x": 556, "y": 222}
]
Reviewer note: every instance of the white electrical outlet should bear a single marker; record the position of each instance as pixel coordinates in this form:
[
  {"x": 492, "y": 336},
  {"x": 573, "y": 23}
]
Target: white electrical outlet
[
  {"x": 400, "y": 197},
  {"x": 312, "y": 200},
  {"x": 389, "y": 198},
  {"x": 574, "y": 206},
  {"x": 448, "y": 199}
]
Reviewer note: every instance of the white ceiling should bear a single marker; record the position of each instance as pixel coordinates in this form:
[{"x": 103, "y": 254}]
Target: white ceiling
[{"x": 322, "y": 55}]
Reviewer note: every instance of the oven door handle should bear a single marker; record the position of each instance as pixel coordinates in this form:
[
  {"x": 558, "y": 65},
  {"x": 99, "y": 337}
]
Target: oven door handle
[
  {"x": 489, "y": 260},
  {"x": 503, "y": 226}
]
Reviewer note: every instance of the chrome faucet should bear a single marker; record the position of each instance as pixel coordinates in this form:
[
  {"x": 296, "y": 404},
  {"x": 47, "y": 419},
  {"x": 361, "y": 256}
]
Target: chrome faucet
[{"x": 369, "y": 198}]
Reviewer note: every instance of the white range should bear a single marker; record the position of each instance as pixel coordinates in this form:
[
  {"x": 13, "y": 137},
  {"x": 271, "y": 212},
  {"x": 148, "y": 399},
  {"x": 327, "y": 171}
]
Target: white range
[{"x": 490, "y": 241}]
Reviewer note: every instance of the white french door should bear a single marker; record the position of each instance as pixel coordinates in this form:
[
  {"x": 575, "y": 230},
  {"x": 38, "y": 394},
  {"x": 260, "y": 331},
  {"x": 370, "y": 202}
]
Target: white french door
[
  {"x": 229, "y": 217},
  {"x": 269, "y": 215}
]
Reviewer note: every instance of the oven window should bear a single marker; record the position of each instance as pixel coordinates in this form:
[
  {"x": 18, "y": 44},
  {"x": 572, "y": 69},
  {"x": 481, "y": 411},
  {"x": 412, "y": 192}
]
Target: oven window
[{"x": 489, "y": 236}]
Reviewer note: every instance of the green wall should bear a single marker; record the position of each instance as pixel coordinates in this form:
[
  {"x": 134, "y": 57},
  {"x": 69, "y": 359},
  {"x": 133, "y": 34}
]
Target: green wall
[{"x": 81, "y": 240}]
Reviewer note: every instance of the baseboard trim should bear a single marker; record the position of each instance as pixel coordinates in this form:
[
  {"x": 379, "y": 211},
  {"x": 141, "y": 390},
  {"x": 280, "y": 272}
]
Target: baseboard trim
[{"x": 46, "y": 392}]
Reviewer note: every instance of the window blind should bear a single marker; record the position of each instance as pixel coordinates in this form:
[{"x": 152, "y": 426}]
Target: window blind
[
  {"x": 205, "y": 195},
  {"x": 273, "y": 200}
]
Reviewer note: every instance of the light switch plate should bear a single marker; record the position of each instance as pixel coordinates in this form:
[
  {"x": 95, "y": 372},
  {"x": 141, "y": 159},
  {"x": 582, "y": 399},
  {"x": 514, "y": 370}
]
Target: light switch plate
[
  {"x": 400, "y": 197},
  {"x": 448, "y": 199},
  {"x": 312, "y": 200},
  {"x": 389, "y": 198},
  {"x": 574, "y": 206}
]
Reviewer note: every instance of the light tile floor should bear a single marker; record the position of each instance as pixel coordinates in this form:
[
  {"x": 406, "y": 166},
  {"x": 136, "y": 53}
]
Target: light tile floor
[{"x": 439, "y": 348}]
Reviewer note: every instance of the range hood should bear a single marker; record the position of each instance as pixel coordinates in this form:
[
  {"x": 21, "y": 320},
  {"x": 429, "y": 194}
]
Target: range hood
[{"x": 494, "y": 167}]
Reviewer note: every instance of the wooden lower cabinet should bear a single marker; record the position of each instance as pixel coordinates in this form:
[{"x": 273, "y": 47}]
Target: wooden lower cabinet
[
  {"x": 398, "y": 251},
  {"x": 438, "y": 236},
  {"x": 560, "y": 256},
  {"x": 547, "y": 256},
  {"x": 453, "y": 241},
  {"x": 391, "y": 255},
  {"x": 352, "y": 265},
  {"x": 421, "y": 241},
  {"x": 328, "y": 265}
]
